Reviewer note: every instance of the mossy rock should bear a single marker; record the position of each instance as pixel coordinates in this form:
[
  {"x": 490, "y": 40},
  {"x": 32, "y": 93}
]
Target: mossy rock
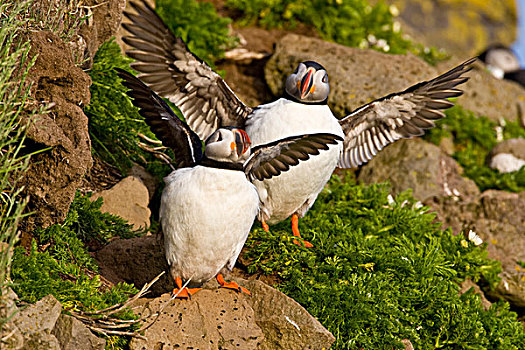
[{"x": 462, "y": 27}]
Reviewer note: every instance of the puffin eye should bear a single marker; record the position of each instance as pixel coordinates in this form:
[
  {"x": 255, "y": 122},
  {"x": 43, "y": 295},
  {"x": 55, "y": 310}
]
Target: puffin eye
[{"x": 325, "y": 79}]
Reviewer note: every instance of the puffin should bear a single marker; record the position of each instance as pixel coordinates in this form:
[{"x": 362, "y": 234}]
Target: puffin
[
  {"x": 165, "y": 64},
  {"x": 503, "y": 63},
  {"x": 209, "y": 203}
]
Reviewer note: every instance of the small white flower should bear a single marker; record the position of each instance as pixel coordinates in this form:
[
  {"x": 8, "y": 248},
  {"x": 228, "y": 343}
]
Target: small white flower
[
  {"x": 390, "y": 200},
  {"x": 499, "y": 133},
  {"x": 474, "y": 238},
  {"x": 394, "y": 11},
  {"x": 371, "y": 39},
  {"x": 418, "y": 205},
  {"x": 363, "y": 44},
  {"x": 396, "y": 26},
  {"x": 381, "y": 43}
]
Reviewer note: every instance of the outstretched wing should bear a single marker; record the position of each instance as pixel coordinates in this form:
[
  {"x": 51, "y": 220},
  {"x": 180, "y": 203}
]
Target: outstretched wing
[
  {"x": 400, "y": 115},
  {"x": 170, "y": 69},
  {"x": 164, "y": 122},
  {"x": 276, "y": 157}
]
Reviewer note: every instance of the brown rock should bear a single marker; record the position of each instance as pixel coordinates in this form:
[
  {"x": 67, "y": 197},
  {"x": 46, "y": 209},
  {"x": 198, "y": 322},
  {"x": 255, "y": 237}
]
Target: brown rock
[
  {"x": 10, "y": 335},
  {"x": 360, "y": 76},
  {"x": 39, "y": 317},
  {"x": 501, "y": 223},
  {"x": 497, "y": 218},
  {"x": 103, "y": 23},
  {"x": 128, "y": 199},
  {"x": 136, "y": 260},
  {"x": 222, "y": 319},
  {"x": 356, "y": 76},
  {"x": 285, "y": 323},
  {"x": 74, "y": 335},
  {"x": 54, "y": 175},
  {"x": 488, "y": 96},
  {"x": 41, "y": 341},
  {"x": 516, "y": 147},
  {"x": 150, "y": 181},
  {"x": 511, "y": 290},
  {"x": 462, "y": 27},
  {"x": 36, "y": 322},
  {"x": 213, "y": 319},
  {"x": 421, "y": 166}
]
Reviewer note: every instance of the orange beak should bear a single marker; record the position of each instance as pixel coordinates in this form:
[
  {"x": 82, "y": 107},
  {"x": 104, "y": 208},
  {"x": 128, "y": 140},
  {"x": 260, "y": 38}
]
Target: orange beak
[
  {"x": 242, "y": 141},
  {"x": 307, "y": 83}
]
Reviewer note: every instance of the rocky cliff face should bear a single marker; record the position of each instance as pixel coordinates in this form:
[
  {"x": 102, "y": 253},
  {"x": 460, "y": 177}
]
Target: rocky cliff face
[
  {"x": 217, "y": 318},
  {"x": 55, "y": 174}
]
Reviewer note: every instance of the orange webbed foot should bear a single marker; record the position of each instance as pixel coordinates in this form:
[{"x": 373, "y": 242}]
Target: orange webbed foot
[
  {"x": 295, "y": 229},
  {"x": 183, "y": 293},
  {"x": 265, "y": 226},
  {"x": 232, "y": 285}
]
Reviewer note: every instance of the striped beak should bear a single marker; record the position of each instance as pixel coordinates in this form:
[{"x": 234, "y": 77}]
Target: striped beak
[
  {"x": 307, "y": 83},
  {"x": 242, "y": 141}
]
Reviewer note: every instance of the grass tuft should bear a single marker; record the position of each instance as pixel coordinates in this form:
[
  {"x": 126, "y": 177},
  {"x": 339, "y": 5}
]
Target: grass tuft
[
  {"x": 382, "y": 272},
  {"x": 15, "y": 107}
]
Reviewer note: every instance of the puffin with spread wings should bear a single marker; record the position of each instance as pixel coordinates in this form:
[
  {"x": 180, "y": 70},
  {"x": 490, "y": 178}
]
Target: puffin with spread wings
[
  {"x": 209, "y": 203},
  {"x": 169, "y": 68}
]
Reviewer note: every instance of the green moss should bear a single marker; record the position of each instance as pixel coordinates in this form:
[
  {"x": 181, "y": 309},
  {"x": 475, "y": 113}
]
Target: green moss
[
  {"x": 113, "y": 120},
  {"x": 198, "y": 24},
  {"x": 381, "y": 272},
  {"x": 59, "y": 263},
  {"x": 351, "y": 22},
  {"x": 474, "y": 137}
]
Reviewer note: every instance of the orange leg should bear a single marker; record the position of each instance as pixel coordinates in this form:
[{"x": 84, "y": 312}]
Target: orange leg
[
  {"x": 185, "y": 293},
  {"x": 296, "y": 233},
  {"x": 232, "y": 285},
  {"x": 265, "y": 226}
]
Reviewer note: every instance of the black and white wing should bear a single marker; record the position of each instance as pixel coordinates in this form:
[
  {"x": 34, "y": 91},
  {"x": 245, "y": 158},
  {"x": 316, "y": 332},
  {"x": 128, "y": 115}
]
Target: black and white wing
[
  {"x": 164, "y": 122},
  {"x": 168, "y": 67},
  {"x": 400, "y": 115},
  {"x": 273, "y": 158}
]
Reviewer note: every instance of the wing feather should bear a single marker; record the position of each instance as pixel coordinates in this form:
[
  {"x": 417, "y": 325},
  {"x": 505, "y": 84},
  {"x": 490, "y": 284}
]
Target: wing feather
[
  {"x": 164, "y": 122},
  {"x": 400, "y": 115},
  {"x": 169, "y": 68},
  {"x": 276, "y": 157}
]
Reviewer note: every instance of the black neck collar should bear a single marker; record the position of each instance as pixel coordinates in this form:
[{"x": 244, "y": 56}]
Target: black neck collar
[
  {"x": 210, "y": 163},
  {"x": 287, "y": 96}
]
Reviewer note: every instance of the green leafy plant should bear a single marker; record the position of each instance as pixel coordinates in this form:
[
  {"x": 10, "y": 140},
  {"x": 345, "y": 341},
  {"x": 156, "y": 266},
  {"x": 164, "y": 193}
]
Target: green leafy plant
[
  {"x": 59, "y": 262},
  {"x": 383, "y": 271},
  {"x": 114, "y": 123},
  {"x": 474, "y": 137},
  {"x": 198, "y": 24},
  {"x": 349, "y": 22}
]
